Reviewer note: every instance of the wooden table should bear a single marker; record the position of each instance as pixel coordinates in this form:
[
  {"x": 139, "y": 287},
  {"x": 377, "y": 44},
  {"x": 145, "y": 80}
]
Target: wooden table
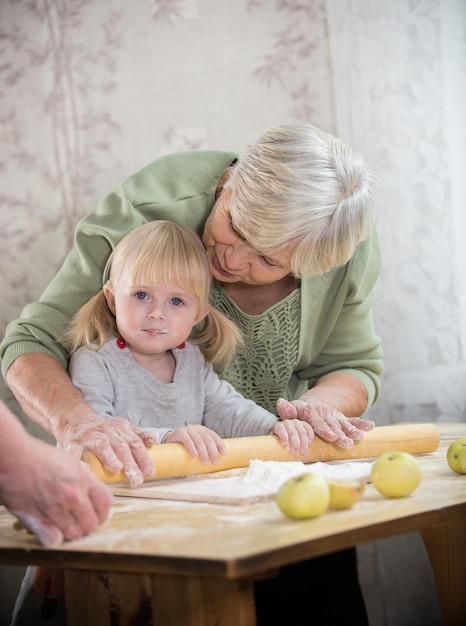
[{"x": 194, "y": 564}]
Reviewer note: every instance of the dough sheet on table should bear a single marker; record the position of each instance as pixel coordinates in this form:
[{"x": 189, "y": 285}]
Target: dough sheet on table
[{"x": 260, "y": 481}]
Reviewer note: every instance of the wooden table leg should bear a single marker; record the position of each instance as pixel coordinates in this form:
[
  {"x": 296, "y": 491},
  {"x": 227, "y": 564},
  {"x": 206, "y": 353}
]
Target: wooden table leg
[
  {"x": 86, "y": 598},
  {"x": 446, "y": 546},
  {"x": 202, "y": 601},
  {"x": 107, "y": 598}
]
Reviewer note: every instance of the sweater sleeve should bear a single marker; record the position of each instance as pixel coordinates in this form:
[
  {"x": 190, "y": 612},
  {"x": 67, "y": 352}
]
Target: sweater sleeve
[
  {"x": 179, "y": 187},
  {"x": 228, "y": 413},
  {"x": 337, "y": 331}
]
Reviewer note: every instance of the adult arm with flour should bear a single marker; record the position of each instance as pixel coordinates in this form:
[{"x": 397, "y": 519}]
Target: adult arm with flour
[{"x": 55, "y": 496}]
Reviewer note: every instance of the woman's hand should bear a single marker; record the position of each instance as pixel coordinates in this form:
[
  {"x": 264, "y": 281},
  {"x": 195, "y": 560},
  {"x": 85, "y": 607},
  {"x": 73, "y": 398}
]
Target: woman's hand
[
  {"x": 49, "y": 398},
  {"x": 118, "y": 444},
  {"x": 326, "y": 421},
  {"x": 199, "y": 441},
  {"x": 294, "y": 434}
]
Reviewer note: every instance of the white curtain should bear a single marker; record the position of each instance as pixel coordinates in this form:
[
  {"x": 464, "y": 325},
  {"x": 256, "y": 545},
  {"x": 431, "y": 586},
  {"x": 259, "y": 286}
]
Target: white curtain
[{"x": 399, "y": 75}]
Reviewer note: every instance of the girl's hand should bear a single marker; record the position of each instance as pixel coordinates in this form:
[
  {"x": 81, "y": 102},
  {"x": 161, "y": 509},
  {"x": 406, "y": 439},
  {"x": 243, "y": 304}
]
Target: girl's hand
[
  {"x": 199, "y": 441},
  {"x": 294, "y": 434},
  {"x": 326, "y": 422}
]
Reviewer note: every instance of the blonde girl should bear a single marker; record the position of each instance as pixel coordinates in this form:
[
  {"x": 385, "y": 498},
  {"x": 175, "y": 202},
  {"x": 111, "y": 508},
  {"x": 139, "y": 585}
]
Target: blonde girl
[{"x": 145, "y": 347}]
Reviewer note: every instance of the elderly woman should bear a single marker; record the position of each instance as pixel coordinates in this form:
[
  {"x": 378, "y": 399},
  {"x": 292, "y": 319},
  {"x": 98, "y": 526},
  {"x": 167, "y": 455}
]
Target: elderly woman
[{"x": 289, "y": 233}]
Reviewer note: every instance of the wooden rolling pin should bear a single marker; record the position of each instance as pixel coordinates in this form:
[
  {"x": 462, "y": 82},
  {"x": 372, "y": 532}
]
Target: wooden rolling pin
[{"x": 173, "y": 460}]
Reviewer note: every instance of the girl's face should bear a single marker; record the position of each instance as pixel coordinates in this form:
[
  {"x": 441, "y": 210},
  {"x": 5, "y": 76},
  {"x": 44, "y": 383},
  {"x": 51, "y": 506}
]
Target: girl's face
[
  {"x": 232, "y": 259},
  {"x": 153, "y": 318}
]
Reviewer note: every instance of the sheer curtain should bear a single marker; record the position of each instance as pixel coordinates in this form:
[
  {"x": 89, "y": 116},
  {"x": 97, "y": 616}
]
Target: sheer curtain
[{"x": 399, "y": 75}]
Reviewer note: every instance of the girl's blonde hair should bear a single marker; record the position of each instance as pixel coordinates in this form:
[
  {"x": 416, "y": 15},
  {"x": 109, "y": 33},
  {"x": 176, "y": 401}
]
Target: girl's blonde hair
[
  {"x": 166, "y": 253},
  {"x": 300, "y": 184}
]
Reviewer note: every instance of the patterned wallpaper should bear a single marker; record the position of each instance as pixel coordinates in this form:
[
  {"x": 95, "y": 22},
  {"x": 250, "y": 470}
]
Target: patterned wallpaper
[{"x": 92, "y": 90}]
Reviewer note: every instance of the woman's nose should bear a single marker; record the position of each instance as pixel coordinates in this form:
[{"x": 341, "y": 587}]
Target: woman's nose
[{"x": 238, "y": 255}]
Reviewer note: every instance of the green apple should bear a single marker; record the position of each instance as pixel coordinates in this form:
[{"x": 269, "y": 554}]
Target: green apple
[
  {"x": 304, "y": 496},
  {"x": 396, "y": 474},
  {"x": 345, "y": 493},
  {"x": 456, "y": 455}
]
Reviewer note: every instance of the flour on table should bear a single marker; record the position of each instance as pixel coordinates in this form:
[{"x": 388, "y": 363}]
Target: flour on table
[
  {"x": 264, "y": 478},
  {"x": 261, "y": 480},
  {"x": 268, "y": 476}
]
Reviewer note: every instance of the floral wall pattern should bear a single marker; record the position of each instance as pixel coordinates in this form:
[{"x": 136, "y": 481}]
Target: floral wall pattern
[{"x": 92, "y": 90}]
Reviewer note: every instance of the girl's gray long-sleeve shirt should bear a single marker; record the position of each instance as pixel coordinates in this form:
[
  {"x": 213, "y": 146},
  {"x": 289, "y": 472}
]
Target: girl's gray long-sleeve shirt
[{"x": 116, "y": 385}]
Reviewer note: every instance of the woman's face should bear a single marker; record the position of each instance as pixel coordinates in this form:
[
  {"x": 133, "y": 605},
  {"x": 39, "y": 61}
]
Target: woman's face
[{"x": 232, "y": 259}]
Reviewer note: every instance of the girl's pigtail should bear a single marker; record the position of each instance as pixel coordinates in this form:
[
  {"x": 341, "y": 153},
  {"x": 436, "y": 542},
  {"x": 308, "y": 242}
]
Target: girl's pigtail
[
  {"x": 92, "y": 325},
  {"x": 218, "y": 339}
]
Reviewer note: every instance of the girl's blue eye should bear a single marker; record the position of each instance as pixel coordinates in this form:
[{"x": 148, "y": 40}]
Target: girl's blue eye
[
  {"x": 141, "y": 295},
  {"x": 176, "y": 301}
]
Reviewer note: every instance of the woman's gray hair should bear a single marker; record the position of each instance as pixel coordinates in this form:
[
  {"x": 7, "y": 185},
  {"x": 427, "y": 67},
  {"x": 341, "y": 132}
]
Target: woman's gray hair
[{"x": 301, "y": 184}]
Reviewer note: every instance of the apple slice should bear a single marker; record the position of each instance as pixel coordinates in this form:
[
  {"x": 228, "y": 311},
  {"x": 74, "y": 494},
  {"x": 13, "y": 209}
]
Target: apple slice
[{"x": 345, "y": 493}]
